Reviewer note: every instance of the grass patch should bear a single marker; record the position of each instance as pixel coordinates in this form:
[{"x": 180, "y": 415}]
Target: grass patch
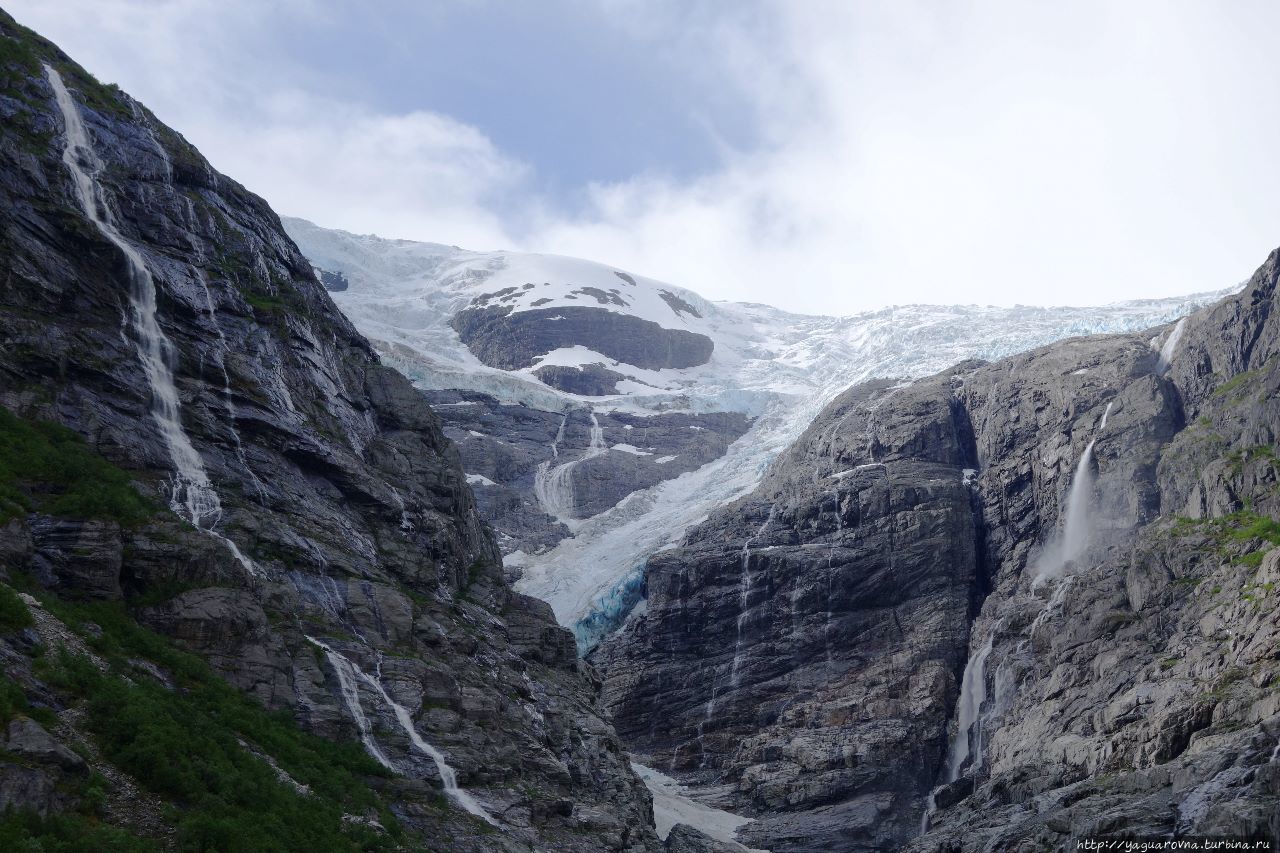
[
  {"x": 1251, "y": 560},
  {"x": 1235, "y": 386},
  {"x": 1242, "y": 526},
  {"x": 184, "y": 745},
  {"x": 1246, "y": 525},
  {"x": 47, "y": 467},
  {"x": 264, "y": 303}
]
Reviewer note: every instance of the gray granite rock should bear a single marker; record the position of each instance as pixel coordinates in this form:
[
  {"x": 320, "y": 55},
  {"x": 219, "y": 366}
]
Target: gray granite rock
[
  {"x": 350, "y": 515},
  {"x": 806, "y": 646},
  {"x": 513, "y": 340}
]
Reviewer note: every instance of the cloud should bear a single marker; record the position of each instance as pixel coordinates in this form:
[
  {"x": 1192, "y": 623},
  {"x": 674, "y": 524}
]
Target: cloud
[
  {"x": 899, "y": 151},
  {"x": 398, "y": 175}
]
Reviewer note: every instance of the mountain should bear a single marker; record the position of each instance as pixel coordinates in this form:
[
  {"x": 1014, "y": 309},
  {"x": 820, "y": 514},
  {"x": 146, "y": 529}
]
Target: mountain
[
  {"x": 1013, "y": 605},
  {"x": 247, "y": 599},
  {"x": 926, "y": 578},
  {"x": 588, "y": 459}
]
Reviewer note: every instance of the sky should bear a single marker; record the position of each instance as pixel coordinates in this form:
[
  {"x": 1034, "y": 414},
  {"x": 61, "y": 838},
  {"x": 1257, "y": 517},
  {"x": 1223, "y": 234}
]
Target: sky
[{"x": 826, "y": 157}]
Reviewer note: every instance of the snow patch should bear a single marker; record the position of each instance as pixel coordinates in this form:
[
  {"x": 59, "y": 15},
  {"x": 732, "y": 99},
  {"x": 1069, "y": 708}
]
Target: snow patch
[
  {"x": 672, "y": 804},
  {"x": 631, "y": 448}
]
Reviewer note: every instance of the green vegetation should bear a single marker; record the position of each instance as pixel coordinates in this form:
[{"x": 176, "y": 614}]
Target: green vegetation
[
  {"x": 47, "y": 467},
  {"x": 264, "y": 303},
  {"x": 187, "y": 746},
  {"x": 13, "y": 703},
  {"x": 1261, "y": 452},
  {"x": 1251, "y": 560},
  {"x": 1235, "y": 387},
  {"x": 1246, "y": 525},
  {"x": 14, "y": 615},
  {"x": 25, "y": 832}
]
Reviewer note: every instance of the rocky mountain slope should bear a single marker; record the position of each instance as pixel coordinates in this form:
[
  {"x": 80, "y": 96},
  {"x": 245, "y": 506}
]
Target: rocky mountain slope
[
  {"x": 578, "y": 520},
  {"x": 263, "y": 493},
  {"x": 1017, "y": 603}
]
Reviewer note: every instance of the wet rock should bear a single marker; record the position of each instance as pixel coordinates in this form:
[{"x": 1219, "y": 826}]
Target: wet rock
[
  {"x": 81, "y": 558},
  {"x": 342, "y": 511}
]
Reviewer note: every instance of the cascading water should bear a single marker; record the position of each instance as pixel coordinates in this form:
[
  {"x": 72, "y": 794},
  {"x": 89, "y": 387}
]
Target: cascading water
[
  {"x": 553, "y": 485},
  {"x": 973, "y": 692},
  {"x": 831, "y": 552},
  {"x": 448, "y": 776},
  {"x": 555, "y": 442},
  {"x": 1054, "y": 606},
  {"x": 191, "y": 494},
  {"x": 348, "y": 677},
  {"x": 1076, "y": 529},
  {"x": 968, "y": 734},
  {"x": 347, "y": 674},
  {"x": 1072, "y": 544},
  {"x": 1165, "y": 361},
  {"x": 744, "y": 592},
  {"x": 226, "y": 388},
  {"x": 744, "y": 595},
  {"x": 1077, "y": 526}
]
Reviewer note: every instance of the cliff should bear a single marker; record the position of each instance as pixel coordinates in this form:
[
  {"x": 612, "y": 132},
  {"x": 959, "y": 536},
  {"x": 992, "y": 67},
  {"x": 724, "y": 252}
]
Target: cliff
[
  {"x": 1019, "y": 603},
  {"x": 281, "y": 505}
]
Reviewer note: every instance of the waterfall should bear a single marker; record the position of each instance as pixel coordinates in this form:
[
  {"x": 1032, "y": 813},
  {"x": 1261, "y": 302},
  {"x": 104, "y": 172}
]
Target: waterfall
[
  {"x": 1077, "y": 525},
  {"x": 1076, "y": 529},
  {"x": 973, "y": 692},
  {"x": 448, "y": 776},
  {"x": 1165, "y": 361},
  {"x": 191, "y": 494},
  {"x": 555, "y": 442},
  {"x": 226, "y": 387},
  {"x": 744, "y": 594},
  {"x": 553, "y": 485},
  {"x": 1054, "y": 606},
  {"x": 348, "y": 677},
  {"x": 831, "y": 552},
  {"x": 930, "y": 808},
  {"x": 347, "y": 674}
]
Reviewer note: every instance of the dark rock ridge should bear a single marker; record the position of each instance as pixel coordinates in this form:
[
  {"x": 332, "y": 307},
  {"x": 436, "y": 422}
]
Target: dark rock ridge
[
  {"x": 511, "y": 341},
  {"x": 334, "y": 282},
  {"x": 589, "y": 380},
  {"x": 803, "y": 651},
  {"x": 507, "y": 449},
  {"x": 343, "y": 497}
]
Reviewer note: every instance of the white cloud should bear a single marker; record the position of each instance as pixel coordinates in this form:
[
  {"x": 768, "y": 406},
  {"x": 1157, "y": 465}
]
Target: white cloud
[{"x": 908, "y": 151}]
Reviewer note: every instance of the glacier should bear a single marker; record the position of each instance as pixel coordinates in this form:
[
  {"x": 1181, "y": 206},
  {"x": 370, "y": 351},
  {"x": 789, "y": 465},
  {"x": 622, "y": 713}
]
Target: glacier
[{"x": 778, "y": 367}]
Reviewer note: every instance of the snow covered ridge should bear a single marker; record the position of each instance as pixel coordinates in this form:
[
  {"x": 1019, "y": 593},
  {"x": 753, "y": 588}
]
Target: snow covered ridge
[{"x": 777, "y": 367}]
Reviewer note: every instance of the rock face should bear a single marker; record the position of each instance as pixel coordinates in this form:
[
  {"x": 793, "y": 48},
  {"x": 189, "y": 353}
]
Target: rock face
[
  {"x": 535, "y": 472},
  {"x": 1040, "y": 585},
  {"x": 511, "y": 340},
  {"x": 588, "y": 380},
  {"x": 334, "y": 506}
]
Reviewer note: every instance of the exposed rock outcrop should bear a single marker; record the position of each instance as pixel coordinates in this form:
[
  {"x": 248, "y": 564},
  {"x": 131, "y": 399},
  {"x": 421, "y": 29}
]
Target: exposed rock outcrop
[
  {"x": 807, "y": 646},
  {"x": 510, "y": 340},
  {"x": 335, "y": 512},
  {"x": 535, "y": 471}
]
